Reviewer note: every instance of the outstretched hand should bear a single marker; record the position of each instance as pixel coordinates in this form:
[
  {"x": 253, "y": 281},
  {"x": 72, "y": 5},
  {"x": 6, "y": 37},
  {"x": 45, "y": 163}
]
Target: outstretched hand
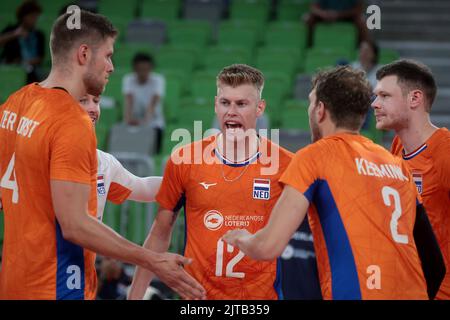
[{"x": 169, "y": 269}]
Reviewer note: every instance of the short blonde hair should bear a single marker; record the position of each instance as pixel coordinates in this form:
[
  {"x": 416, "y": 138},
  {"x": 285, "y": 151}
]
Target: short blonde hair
[{"x": 239, "y": 74}]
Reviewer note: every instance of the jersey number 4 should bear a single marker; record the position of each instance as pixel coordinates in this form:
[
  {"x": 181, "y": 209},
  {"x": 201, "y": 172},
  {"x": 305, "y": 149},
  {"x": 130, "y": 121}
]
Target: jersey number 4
[
  {"x": 387, "y": 193},
  {"x": 229, "y": 268},
  {"x": 7, "y": 183}
]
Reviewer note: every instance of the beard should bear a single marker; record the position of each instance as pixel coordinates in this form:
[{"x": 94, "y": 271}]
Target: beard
[
  {"x": 93, "y": 86},
  {"x": 315, "y": 131}
]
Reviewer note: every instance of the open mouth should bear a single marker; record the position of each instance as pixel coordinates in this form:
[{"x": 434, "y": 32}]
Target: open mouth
[
  {"x": 233, "y": 125},
  {"x": 93, "y": 117}
]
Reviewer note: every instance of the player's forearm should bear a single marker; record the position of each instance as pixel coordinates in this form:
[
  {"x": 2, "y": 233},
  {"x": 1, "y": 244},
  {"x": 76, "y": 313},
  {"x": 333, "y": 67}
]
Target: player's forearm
[
  {"x": 159, "y": 241},
  {"x": 145, "y": 189},
  {"x": 94, "y": 235},
  {"x": 259, "y": 246}
]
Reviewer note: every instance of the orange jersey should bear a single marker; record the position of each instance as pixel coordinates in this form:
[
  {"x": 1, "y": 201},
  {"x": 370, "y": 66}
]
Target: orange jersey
[
  {"x": 362, "y": 214},
  {"x": 219, "y": 197},
  {"x": 44, "y": 135},
  {"x": 430, "y": 167}
]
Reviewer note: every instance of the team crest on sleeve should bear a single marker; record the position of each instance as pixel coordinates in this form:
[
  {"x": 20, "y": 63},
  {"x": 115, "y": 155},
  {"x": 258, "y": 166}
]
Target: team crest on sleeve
[
  {"x": 261, "y": 189},
  {"x": 417, "y": 178},
  {"x": 101, "y": 185}
]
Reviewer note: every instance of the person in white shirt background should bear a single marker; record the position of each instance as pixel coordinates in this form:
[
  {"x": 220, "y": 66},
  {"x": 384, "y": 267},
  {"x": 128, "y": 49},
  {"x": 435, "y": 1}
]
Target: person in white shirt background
[{"x": 144, "y": 92}]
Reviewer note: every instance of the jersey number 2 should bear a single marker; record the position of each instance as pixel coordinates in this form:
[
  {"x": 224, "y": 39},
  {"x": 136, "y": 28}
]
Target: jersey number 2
[
  {"x": 229, "y": 269},
  {"x": 7, "y": 183},
  {"x": 387, "y": 192}
]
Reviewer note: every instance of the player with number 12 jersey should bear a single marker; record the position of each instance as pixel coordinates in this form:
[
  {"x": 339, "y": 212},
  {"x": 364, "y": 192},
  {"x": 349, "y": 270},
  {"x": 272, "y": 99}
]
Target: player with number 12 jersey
[{"x": 219, "y": 197}]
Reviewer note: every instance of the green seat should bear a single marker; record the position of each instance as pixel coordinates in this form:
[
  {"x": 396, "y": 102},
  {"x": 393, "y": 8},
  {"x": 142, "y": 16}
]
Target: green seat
[
  {"x": 219, "y": 60},
  {"x": 175, "y": 75},
  {"x": 292, "y": 10},
  {"x": 189, "y": 32},
  {"x": 337, "y": 34},
  {"x": 186, "y": 51},
  {"x": 161, "y": 9},
  {"x": 238, "y": 24},
  {"x": 255, "y": 10},
  {"x": 172, "y": 99},
  {"x": 244, "y": 52},
  {"x": 111, "y": 115},
  {"x": 101, "y": 131},
  {"x": 277, "y": 61},
  {"x": 286, "y": 34},
  {"x": 137, "y": 227},
  {"x": 10, "y": 6},
  {"x": 388, "y": 55},
  {"x": 237, "y": 37},
  {"x": 6, "y": 19},
  {"x": 114, "y": 87},
  {"x": 325, "y": 57},
  {"x": 203, "y": 85},
  {"x": 278, "y": 77},
  {"x": 111, "y": 216},
  {"x": 117, "y": 10},
  {"x": 51, "y": 8},
  {"x": 295, "y": 115},
  {"x": 176, "y": 60},
  {"x": 295, "y": 53},
  {"x": 12, "y": 78},
  {"x": 196, "y": 109},
  {"x": 125, "y": 52},
  {"x": 170, "y": 145}
]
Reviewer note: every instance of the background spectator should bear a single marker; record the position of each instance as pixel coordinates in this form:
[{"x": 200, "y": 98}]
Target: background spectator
[
  {"x": 22, "y": 43},
  {"x": 144, "y": 91}
]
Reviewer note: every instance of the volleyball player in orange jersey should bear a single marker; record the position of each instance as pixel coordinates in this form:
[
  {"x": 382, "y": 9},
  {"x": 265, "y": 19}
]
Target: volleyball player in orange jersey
[
  {"x": 367, "y": 228},
  {"x": 231, "y": 182},
  {"x": 48, "y": 168},
  {"x": 405, "y": 93}
]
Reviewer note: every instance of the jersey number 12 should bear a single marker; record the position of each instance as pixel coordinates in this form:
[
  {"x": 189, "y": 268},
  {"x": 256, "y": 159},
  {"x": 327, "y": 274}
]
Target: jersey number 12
[{"x": 230, "y": 265}]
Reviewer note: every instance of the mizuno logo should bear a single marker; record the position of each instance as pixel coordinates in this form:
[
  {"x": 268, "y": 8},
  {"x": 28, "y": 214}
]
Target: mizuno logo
[{"x": 207, "y": 185}]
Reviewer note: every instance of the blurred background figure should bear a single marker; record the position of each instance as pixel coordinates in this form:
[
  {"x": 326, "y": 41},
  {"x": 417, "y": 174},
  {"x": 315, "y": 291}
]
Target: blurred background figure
[
  {"x": 368, "y": 58},
  {"x": 368, "y": 61},
  {"x": 24, "y": 44},
  {"x": 337, "y": 10},
  {"x": 113, "y": 281},
  {"x": 144, "y": 91}
]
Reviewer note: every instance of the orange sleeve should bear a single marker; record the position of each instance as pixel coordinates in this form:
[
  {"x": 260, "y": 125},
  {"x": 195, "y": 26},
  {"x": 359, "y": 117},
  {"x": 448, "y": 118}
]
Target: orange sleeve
[
  {"x": 118, "y": 193},
  {"x": 442, "y": 161},
  {"x": 73, "y": 151},
  {"x": 171, "y": 192},
  {"x": 302, "y": 172}
]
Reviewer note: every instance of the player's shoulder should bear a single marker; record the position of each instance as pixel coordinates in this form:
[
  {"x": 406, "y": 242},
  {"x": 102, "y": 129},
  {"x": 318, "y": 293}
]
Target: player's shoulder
[
  {"x": 107, "y": 161},
  {"x": 440, "y": 140},
  {"x": 396, "y": 146},
  {"x": 439, "y": 146},
  {"x": 105, "y": 157}
]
